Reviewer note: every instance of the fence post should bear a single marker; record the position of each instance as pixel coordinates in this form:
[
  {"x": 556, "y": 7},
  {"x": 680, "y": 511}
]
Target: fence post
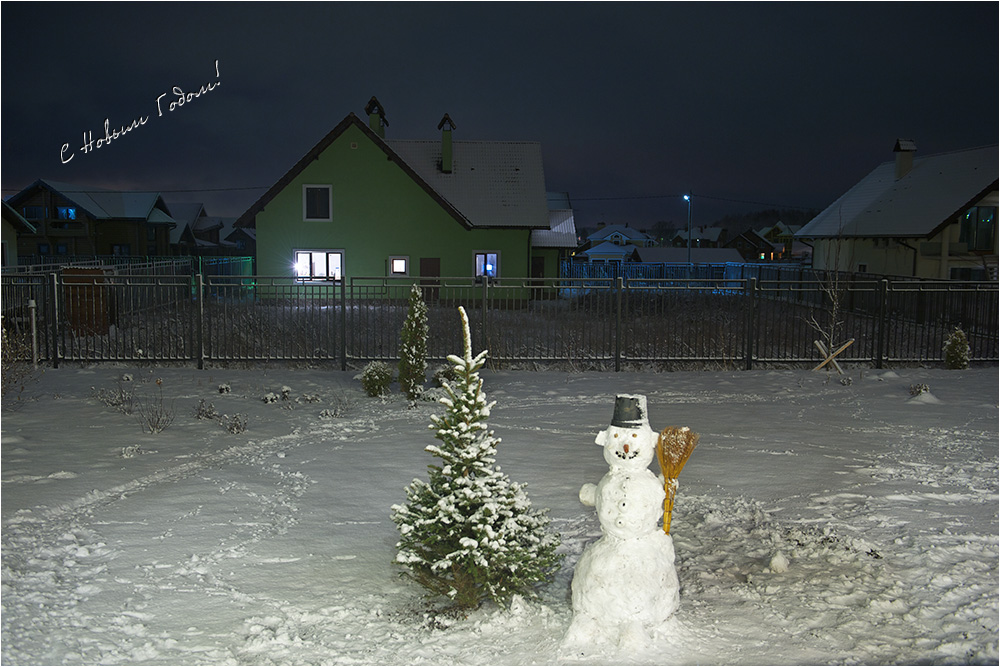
[
  {"x": 55, "y": 319},
  {"x": 200, "y": 303},
  {"x": 482, "y": 318},
  {"x": 343, "y": 324},
  {"x": 33, "y": 311},
  {"x": 751, "y": 297},
  {"x": 619, "y": 288},
  {"x": 883, "y": 309}
]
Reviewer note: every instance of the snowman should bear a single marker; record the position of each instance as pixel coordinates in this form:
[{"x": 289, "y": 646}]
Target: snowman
[{"x": 625, "y": 585}]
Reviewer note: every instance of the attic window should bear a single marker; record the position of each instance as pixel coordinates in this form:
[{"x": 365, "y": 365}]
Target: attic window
[
  {"x": 978, "y": 227},
  {"x": 66, "y": 212},
  {"x": 317, "y": 203}
]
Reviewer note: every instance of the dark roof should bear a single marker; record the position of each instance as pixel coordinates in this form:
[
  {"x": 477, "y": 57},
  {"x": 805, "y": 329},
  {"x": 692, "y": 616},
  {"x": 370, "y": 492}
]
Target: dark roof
[
  {"x": 492, "y": 183},
  {"x": 935, "y": 190},
  {"x": 103, "y": 204},
  {"x": 248, "y": 219},
  {"x": 16, "y": 219}
]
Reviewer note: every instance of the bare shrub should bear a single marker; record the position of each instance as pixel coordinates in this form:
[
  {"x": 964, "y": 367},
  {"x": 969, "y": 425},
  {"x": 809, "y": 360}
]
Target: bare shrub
[
  {"x": 154, "y": 414},
  {"x": 18, "y": 368}
]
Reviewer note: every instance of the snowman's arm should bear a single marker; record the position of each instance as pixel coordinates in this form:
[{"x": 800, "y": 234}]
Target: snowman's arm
[{"x": 588, "y": 494}]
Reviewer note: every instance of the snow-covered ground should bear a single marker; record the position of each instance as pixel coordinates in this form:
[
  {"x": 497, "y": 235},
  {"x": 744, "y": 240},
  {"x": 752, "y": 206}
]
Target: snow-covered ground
[{"x": 816, "y": 522}]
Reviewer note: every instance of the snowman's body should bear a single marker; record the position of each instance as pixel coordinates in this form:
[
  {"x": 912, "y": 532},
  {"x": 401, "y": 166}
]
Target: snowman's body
[{"x": 625, "y": 586}]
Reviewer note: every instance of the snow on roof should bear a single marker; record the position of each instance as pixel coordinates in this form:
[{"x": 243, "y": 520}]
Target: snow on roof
[
  {"x": 492, "y": 183},
  {"x": 626, "y": 232},
  {"x": 104, "y": 204},
  {"x": 708, "y": 233},
  {"x": 186, "y": 213},
  {"x": 609, "y": 249},
  {"x": 936, "y": 189},
  {"x": 560, "y": 234}
]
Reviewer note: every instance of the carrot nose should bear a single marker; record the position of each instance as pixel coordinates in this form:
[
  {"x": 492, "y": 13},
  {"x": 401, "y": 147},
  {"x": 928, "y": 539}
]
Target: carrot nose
[{"x": 626, "y": 448}]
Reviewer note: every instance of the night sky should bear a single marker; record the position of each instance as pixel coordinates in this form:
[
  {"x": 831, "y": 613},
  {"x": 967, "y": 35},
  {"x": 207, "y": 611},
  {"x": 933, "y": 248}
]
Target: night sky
[{"x": 747, "y": 105}]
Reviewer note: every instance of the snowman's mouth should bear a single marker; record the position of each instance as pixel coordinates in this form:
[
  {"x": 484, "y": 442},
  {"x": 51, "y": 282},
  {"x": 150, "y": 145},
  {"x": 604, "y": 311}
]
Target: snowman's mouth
[{"x": 627, "y": 455}]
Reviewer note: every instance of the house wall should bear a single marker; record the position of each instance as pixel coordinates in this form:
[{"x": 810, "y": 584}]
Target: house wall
[
  {"x": 931, "y": 258},
  {"x": 8, "y": 244},
  {"x": 75, "y": 237},
  {"x": 378, "y": 212}
]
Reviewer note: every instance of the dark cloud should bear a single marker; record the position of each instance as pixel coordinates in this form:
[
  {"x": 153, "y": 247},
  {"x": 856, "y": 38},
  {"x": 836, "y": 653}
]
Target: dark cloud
[{"x": 778, "y": 103}]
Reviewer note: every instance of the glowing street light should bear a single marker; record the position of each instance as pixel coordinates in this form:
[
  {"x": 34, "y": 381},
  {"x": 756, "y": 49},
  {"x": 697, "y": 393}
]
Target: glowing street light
[{"x": 687, "y": 198}]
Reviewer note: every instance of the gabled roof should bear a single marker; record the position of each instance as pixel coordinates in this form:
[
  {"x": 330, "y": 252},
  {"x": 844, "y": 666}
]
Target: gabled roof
[
  {"x": 186, "y": 213},
  {"x": 708, "y": 233},
  {"x": 934, "y": 192},
  {"x": 627, "y": 232},
  {"x": 560, "y": 234},
  {"x": 102, "y": 204},
  {"x": 753, "y": 238},
  {"x": 610, "y": 249},
  {"x": 17, "y": 220},
  {"x": 249, "y": 216},
  {"x": 493, "y": 183},
  {"x": 780, "y": 228}
]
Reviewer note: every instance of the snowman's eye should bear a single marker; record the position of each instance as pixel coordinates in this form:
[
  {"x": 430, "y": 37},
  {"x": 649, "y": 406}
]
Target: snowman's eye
[
  {"x": 616, "y": 435},
  {"x": 634, "y": 434}
]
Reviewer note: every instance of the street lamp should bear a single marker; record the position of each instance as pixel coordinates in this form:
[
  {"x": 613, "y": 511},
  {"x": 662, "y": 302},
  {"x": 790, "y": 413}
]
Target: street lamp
[{"x": 687, "y": 198}]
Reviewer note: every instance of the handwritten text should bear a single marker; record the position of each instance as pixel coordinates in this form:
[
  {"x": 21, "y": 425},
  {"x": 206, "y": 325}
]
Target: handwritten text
[{"x": 176, "y": 98}]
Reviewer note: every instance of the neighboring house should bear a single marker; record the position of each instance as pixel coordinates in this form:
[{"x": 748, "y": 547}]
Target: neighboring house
[
  {"x": 76, "y": 220},
  {"x": 931, "y": 217},
  {"x": 550, "y": 246},
  {"x": 198, "y": 233},
  {"x": 14, "y": 224},
  {"x": 244, "y": 240},
  {"x": 359, "y": 205},
  {"x": 781, "y": 233},
  {"x": 701, "y": 237},
  {"x": 621, "y": 235},
  {"x": 608, "y": 251},
  {"x": 753, "y": 247}
]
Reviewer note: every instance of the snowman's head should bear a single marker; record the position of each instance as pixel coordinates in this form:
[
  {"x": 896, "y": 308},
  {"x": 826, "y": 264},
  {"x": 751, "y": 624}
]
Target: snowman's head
[
  {"x": 628, "y": 442},
  {"x": 629, "y": 448}
]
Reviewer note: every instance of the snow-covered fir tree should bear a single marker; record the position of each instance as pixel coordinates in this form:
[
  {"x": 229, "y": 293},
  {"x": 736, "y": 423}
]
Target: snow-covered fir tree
[
  {"x": 413, "y": 347},
  {"x": 956, "y": 350},
  {"x": 469, "y": 533}
]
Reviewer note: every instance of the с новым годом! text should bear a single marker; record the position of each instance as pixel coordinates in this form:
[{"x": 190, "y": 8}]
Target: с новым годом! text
[{"x": 165, "y": 103}]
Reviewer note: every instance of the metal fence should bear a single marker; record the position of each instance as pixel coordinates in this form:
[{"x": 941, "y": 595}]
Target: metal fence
[{"x": 95, "y": 315}]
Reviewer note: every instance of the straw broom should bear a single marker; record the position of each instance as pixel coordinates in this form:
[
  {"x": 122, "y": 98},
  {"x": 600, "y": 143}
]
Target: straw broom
[{"x": 673, "y": 448}]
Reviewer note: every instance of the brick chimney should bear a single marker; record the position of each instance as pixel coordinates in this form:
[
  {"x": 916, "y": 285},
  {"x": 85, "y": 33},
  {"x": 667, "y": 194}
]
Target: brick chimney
[
  {"x": 376, "y": 117},
  {"x": 446, "y": 126},
  {"x": 904, "y": 150}
]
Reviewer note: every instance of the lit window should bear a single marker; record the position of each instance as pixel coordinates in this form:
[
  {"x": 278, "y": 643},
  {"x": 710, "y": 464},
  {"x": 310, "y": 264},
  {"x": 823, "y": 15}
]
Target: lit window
[
  {"x": 319, "y": 264},
  {"x": 317, "y": 202},
  {"x": 399, "y": 266},
  {"x": 66, "y": 212},
  {"x": 487, "y": 264}
]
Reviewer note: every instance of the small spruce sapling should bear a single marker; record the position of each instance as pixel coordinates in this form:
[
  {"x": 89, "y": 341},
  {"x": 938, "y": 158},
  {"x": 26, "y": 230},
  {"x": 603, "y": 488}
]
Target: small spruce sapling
[
  {"x": 413, "y": 347},
  {"x": 956, "y": 350},
  {"x": 469, "y": 533},
  {"x": 376, "y": 378}
]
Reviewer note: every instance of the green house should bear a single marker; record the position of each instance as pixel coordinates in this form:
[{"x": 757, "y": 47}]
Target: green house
[{"x": 358, "y": 205}]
